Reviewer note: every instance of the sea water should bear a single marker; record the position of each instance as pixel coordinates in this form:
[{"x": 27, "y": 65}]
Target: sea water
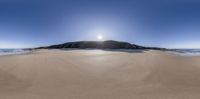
[
  {"x": 12, "y": 51},
  {"x": 187, "y": 52}
]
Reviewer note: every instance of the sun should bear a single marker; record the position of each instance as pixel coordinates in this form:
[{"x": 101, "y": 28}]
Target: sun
[{"x": 99, "y": 37}]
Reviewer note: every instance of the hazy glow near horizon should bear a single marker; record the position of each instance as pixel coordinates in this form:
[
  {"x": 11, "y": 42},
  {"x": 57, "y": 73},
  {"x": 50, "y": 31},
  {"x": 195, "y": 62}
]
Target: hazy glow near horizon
[
  {"x": 7, "y": 45},
  {"x": 185, "y": 45}
]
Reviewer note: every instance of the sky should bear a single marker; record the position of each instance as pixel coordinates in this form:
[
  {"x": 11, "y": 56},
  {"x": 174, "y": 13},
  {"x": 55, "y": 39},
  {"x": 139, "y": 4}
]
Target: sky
[{"x": 158, "y": 23}]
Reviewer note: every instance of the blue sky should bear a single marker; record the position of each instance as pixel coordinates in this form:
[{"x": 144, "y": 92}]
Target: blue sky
[{"x": 161, "y": 23}]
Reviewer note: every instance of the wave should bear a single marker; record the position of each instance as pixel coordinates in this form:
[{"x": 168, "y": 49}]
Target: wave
[
  {"x": 187, "y": 52},
  {"x": 12, "y": 51}
]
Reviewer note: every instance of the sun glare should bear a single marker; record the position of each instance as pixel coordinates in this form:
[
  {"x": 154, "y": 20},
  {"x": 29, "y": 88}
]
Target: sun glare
[{"x": 99, "y": 37}]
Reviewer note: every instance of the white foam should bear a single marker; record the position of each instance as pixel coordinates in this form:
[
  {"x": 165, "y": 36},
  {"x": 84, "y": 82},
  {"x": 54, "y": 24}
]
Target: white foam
[
  {"x": 190, "y": 52},
  {"x": 4, "y": 52}
]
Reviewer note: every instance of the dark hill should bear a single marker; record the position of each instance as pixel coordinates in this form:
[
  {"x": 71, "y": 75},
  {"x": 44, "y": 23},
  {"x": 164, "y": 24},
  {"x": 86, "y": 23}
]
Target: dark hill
[{"x": 110, "y": 44}]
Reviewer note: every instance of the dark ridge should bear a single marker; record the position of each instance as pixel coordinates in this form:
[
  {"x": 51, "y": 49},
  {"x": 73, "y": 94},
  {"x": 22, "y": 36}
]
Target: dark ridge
[{"x": 110, "y": 44}]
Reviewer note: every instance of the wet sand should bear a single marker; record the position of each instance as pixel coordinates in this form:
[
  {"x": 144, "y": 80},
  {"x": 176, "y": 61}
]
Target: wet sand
[{"x": 98, "y": 74}]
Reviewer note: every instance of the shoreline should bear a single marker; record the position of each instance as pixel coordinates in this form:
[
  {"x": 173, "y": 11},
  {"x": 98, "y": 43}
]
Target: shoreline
[
  {"x": 111, "y": 50},
  {"x": 16, "y": 54}
]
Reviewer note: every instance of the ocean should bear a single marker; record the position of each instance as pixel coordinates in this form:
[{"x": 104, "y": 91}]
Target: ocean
[
  {"x": 187, "y": 52},
  {"x": 4, "y": 52}
]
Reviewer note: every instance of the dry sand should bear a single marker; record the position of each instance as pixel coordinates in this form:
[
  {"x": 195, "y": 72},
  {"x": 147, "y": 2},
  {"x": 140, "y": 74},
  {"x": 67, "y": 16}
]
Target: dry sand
[{"x": 97, "y": 74}]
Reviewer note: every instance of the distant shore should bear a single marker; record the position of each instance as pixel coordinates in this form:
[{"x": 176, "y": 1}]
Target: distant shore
[{"x": 108, "y": 44}]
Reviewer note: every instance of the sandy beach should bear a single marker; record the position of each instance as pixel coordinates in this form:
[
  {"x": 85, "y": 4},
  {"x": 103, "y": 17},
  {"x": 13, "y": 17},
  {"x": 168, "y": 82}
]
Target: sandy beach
[{"x": 98, "y": 74}]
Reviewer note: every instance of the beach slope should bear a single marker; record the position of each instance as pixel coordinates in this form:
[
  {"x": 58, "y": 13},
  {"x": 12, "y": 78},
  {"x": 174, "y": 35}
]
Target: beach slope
[{"x": 99, "y": 74}]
